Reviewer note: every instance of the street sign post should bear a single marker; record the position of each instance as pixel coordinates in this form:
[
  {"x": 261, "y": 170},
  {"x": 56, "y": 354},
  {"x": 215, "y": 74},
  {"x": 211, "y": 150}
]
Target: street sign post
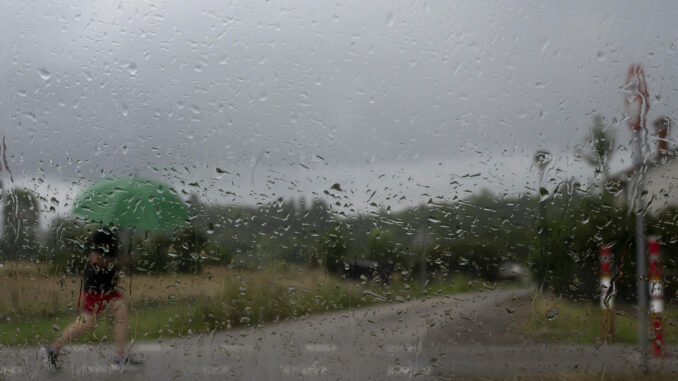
[
  {"x": 637, "y": 105},
  {"x": 542, "y": 159}
]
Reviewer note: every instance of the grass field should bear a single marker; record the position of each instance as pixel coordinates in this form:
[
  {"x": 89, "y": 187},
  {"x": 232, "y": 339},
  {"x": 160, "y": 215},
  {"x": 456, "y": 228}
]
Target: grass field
[
  {"x": 39, "y": 304},
  {"x": 581, "y": 322}
]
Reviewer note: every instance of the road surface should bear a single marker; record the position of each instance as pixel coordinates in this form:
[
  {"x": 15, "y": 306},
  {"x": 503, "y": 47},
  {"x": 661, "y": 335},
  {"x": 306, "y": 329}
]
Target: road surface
[{"x": 435, "y": 339}]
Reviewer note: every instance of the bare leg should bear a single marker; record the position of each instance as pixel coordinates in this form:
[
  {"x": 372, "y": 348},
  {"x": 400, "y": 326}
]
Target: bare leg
[
  {"x": 83, "y": 323},
  {"x": 118, "y": 308}
]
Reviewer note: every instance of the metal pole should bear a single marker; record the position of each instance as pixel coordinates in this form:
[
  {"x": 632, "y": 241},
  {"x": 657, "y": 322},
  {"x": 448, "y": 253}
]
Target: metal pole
[
  {"x": 542, "y": 159},
  {"x": 641, "y": 260},
  {"x": 637, "y": 104},
  {"x": 542, "y": 210}
]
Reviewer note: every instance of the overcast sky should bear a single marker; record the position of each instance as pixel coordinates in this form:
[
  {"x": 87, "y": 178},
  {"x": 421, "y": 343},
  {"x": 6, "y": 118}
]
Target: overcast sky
[{"x": 287, "y": 98}]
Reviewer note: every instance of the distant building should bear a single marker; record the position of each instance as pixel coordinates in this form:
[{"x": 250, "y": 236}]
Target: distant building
[{"x": 661, "y": 173}]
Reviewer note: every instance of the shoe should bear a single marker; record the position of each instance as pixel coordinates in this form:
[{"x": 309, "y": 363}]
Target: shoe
[
  {"x": 129, "y": 363},
  {"x": 50, "y": 358}
]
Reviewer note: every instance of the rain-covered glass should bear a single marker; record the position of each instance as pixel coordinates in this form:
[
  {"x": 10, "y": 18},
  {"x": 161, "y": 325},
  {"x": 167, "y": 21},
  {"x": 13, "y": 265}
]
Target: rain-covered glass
[{"x": 338, "y": 190}]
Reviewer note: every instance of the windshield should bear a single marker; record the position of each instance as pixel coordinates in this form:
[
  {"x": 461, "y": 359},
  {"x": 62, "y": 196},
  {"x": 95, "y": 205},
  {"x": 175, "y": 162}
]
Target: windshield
[{"x": 337, "y": 190}]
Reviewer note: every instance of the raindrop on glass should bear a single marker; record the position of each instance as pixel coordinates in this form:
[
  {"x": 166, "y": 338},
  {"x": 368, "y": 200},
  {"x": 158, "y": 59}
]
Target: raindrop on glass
[
  {"x": 44, "y": 74},
  {"x": 552, "y": 313}
]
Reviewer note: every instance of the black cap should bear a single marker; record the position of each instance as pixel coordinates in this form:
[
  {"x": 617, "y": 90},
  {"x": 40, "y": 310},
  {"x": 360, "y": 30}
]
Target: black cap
[{"x": 105, "y": 241}]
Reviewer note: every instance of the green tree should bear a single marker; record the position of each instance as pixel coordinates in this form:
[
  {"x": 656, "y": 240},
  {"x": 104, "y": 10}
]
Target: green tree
[
  {"x": 21, "y": 216},
  {"x": 579, "y": 225},
  {"x": 189, "y": 243},
  {"x": 599, "y": 148},
  {"x": 65, "y": 246},
  {"x": 382, "y": 246},
  {"x": 155, "y": 257},
  {"x": 332, "y": 248}
]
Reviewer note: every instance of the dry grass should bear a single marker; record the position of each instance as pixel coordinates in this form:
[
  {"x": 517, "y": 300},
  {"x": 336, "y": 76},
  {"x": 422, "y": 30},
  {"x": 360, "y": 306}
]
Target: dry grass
[
  {"x": 183, "y": 304},
  {"x": 579, "y": 322},
  {"x": 32, "y": 290}
]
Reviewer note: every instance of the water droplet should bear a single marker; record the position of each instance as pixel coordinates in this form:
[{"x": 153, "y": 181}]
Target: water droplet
[
  {"x": 543, "y": 194},
  {"x": 552, "y": 313},
  {"x": 601, "y": 56},
  {"x": 597, "y": 342},
  {"x": 30, "y": 116},
  {"x": 44, "y": 74},
  {"x": 195, "y": 109},
  {"x": 132, "y": 68},
  {"x": 389, "y": 19}
]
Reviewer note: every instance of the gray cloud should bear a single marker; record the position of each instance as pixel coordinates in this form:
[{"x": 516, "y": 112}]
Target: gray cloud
[{"x": 175, "y": 90}]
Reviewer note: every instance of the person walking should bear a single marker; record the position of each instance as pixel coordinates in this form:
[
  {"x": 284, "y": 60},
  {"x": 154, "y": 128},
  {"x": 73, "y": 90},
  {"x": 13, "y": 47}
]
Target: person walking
[{"x": 99, "y": 294}]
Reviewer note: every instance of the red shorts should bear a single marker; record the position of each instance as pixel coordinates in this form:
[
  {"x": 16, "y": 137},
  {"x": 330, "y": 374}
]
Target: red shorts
[{"x": 96, "y": 303}]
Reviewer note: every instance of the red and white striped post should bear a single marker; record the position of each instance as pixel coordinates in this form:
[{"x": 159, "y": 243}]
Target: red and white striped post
[
  {"x": 656, "y": 297},
  {"x": 606, "y": 301}
]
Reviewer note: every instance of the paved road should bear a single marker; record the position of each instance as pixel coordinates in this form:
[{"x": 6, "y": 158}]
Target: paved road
[{"x": 414, "y": 340}]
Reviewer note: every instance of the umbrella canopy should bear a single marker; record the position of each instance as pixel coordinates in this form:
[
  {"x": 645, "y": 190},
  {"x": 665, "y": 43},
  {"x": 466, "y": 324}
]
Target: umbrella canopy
[{"x": 132, "y": 203}]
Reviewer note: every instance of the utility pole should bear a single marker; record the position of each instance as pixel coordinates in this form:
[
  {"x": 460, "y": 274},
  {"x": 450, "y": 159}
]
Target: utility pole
[
  {"x": 542, "y": 159},
  {"x": 637, "y": 105}
]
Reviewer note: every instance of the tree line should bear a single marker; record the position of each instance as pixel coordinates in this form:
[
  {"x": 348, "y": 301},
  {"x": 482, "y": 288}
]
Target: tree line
[{"x": 476, "y": 235}]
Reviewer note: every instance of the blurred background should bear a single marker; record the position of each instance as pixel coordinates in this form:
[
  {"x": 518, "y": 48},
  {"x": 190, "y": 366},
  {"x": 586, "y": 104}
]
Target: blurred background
[{"x": 335, "y": 154}]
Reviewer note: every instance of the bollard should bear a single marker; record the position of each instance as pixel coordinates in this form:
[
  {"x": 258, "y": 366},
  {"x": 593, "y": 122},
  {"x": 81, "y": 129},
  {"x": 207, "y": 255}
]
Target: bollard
[
  {"x": 606, "y": 301},
  {"x": 656, "y": 297}
]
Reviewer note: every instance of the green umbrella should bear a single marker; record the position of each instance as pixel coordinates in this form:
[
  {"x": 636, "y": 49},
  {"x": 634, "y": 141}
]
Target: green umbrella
[{"x": 132, "y": 203}]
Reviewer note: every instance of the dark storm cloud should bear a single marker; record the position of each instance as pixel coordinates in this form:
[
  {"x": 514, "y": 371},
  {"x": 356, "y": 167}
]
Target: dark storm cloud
[{"x": 290, "y": 92}]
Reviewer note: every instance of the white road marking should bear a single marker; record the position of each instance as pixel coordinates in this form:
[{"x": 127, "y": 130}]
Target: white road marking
[
  {"x": 306, "y": 371},
  {"x": 320, "y": 347},
  {"x": 11, "y": 370}
]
